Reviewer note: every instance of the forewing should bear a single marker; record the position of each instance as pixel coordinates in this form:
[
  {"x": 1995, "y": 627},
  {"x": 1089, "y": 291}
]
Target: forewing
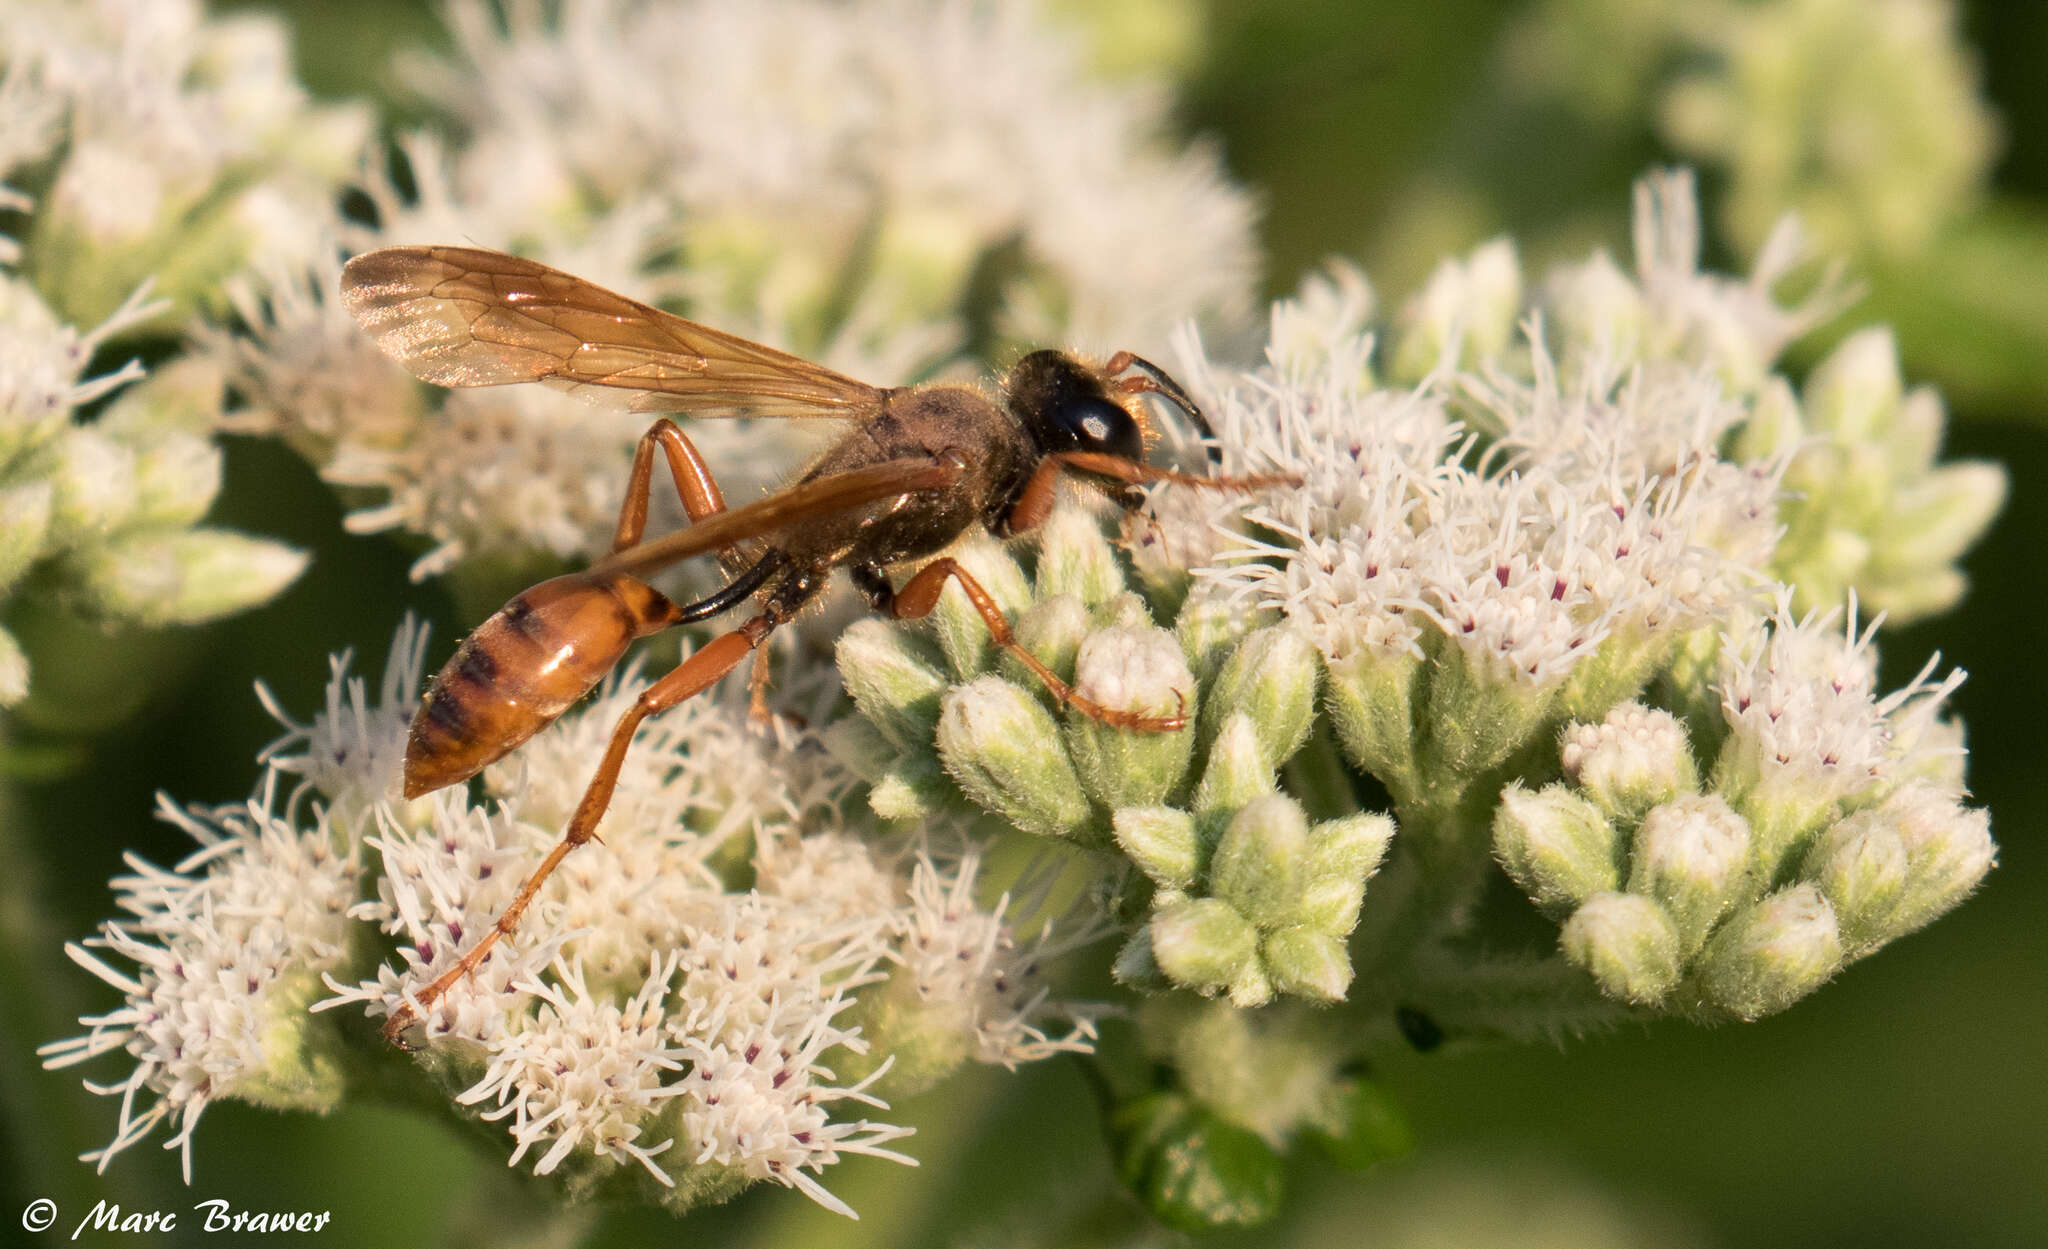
[
  {"x": 826, "y": 496},
  {"x": 463, "y": 316}
]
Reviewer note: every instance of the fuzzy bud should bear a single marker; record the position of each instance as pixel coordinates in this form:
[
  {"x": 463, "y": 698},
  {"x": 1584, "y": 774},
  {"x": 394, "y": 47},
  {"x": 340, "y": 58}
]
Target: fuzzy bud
[
  {"x": 1628, "y": 943},
  {"x": 1556, "y": 845},
  {"x": 1052, "y": 630},
  {"x": 1261, "y": 858},
  {"x": 1236, "y": 771},
  {"x": 1859, "y": 865},
  {"x": 1203, "y": 944},
  {"x": 1372, "y": 707},
  {"x": 1770, "y": 955},
  {"x": 183, "y": 576},
  {"x": 1140, "y": 670},
  {"x": 1630, "y": 761},
  {"x": 1307, "y": 963},
  {"x": 1948, "y": 851},
  {"x": 1161, "y": 841},
  {"x": 1003, "y": 748},
  {"x": 895, "y": 679},
  {"x": 1074, "y": 557},
  {"x": 961, "y": 631},
  {"x": 24, "y": 527},
  {"x": 1209, "y": 624},
  {"x": 1342, "y": 855},
  {"x": 1690, "y": 854},
  {"x": 1271, "y": 677}
]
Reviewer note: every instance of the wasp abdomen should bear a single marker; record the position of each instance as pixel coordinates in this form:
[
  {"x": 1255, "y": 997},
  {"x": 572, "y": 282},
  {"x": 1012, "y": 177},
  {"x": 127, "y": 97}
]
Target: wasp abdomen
[{"x": 522, "y": 668}]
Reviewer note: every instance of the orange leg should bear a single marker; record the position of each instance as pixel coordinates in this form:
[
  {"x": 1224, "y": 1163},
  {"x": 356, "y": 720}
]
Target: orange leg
[
  {"x": 692, "y": 677},
  {"x": 917, "y": 599},
  {"x": 694, "y": 483},
  {"x": 1034, "y": 504}
]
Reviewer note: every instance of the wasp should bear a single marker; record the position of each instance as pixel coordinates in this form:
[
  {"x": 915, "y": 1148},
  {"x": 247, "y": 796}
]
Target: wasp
[{"x": 919, "y": 467}]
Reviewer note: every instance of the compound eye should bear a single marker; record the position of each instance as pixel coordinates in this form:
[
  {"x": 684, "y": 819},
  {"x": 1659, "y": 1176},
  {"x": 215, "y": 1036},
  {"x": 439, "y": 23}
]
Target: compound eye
[{"x": 1097, "y": 424}]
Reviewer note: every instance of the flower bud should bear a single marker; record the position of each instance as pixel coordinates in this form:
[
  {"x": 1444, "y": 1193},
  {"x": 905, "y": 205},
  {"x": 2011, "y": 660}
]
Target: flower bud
[
  {"x": 1948, "y": 851},
  {"x": 13, "y": 670},
  {"x": 1690, "y": 854},
  {"x": 1307, "y": 963},
  {"x": 1770, "y": 955},
  {"x": 1854, "y": 391},
  {"x": 1209, "y": 624},
  {"x": 1261, "y": 859},
  {"x": 1052, "y": 630},
  {"x": 24, "y": 527},
  {"x": 1270, "y": 677},
  {"x": 894, "y": 677},
  {"x": 1342, "y": 855},
  {"x": 1859, "y": 865},
  {"x": 1074, "y": 557},
  {"x": 1372, "y": 707},
  {"x": 1236, "y": 770},
  {"x": 1630, "y": 761},
  {"x": 1161, "y": 841},
  {"x": 1136, "y": 966},
  {"x": 176, "y": 478},
  {"x": 961, "y": 631},
  {"x": 1477, "y": 715},
  {"x": 1556, "y": 845},
  {"x": 94, "y": 479},
  {"x": 1628, "y": 944},
  {"x": 183, "y": 576},
  {"x": 1003, "y": 748},
  {"x": 1203, "y": 944},
  {"x": 1140, "y": 670}
]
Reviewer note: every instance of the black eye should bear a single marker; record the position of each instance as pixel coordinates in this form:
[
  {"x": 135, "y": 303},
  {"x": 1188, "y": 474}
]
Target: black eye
[{"x": 1090, "y": 423}]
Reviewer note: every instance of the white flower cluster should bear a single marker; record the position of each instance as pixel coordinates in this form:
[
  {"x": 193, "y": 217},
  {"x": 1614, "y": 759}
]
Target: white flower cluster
[
  {"x": 835, "y": 181},
  {"x": 645, "y": 1014}
]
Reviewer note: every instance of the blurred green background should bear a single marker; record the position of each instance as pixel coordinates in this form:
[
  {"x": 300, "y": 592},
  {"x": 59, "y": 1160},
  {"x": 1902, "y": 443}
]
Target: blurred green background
[{"x": 1905, "y": 1105}]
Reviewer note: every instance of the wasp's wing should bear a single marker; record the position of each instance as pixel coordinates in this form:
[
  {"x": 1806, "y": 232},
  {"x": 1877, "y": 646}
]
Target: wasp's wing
[
  {"x": 463, "y": 316},
  {"x": 841, "y": 492}
]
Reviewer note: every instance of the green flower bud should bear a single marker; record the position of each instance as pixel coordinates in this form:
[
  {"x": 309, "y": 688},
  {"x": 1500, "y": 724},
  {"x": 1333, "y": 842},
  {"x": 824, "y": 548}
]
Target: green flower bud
[
  {"x": 1556, "y": 845},
  {"x": 1051, "y": 629},
  {"x": 1859, "y": 865},
  {"x": 1203, "y": 944},
  {"x": 1307, "y": 964},
  {"x": 1002, "y": 746},
  {"x": 1162, "y": 842},
  {"x": 295, "y": 1074},
  {"x": 180, "y": 396},
  {"x": 1271, "y": 677},
  {"x": 1775, "y": 426},
  {"x": 1948, "y": 851},
  {"x": 13, "y": 670},
  {"x": 1630, "y": 761},
  {"x": 1770, "y": 955},
  {"x": 1372, "y": 706},
  {"x": 1261, "y": 859},
  {"x": 1074, "y": 557},
  {"x": 1236, "y": 770},
  {"x": 1209, "y": 624},
  {"x": 24, "y": 527},
  {"x": 1367, "y": 1127},
  {"x": 913, "y": 788},
  {"x": 94, "y": 480},
  {"x": 183, "y": 576},
  {"x": 1628, "y": 944},
  {"x": 1139, "y": 670},
  {"x": 961, "y": 631},
  {"x": 895, "y": 679},
  {"x": 176, "y": 478},
  {"x": 1691, "y": 855},
  {"x": 1476, "y": 719},
  {"x": 1342, "y": 855}
]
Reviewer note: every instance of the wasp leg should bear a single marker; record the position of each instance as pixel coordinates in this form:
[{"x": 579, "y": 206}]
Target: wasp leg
[
  {"x": 694, "y": 483},
  {"x": 692, "y": 677},
  {"x": 916, "y": 600}
]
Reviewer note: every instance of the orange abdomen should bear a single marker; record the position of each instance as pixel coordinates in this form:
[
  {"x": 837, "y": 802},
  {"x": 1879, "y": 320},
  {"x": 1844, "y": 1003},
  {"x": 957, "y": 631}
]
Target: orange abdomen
[{"x": 522, "y": 668}]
